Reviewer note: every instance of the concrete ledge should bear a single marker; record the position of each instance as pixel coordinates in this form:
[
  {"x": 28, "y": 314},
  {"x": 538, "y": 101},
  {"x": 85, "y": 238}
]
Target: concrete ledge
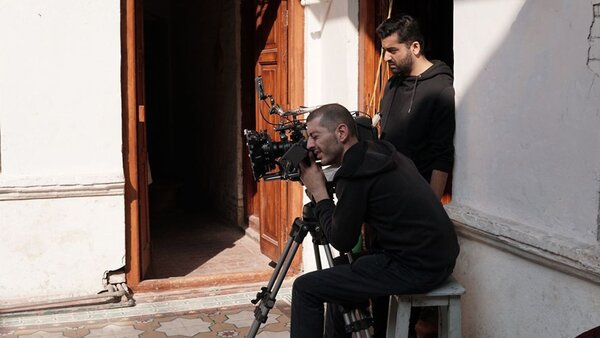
[
  {"x": 61, "y": 191},
  {"x": 567, "y": 255}
]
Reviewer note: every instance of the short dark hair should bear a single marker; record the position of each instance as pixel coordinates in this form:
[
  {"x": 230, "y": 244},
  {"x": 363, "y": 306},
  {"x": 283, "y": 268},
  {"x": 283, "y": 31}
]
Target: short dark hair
[
  {"x": 405, "y": 26},
  {"x": 332, "y": 115}
]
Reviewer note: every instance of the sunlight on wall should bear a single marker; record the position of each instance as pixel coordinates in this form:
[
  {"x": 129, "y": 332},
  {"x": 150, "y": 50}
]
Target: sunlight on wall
[
  {"x": 331, "y": 72},
  {"x": 61, "y": 201},
  {"x": 527, "y": 114},
  {"x": 331, "y": 54},
  {"x": 477, "y": 36}
]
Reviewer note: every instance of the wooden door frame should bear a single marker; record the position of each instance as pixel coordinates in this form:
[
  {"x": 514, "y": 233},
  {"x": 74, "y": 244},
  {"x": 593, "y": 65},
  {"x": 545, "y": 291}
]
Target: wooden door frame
[
  {"x": 370, "y": 15},
  {"x": 367, "y": 54},
  {"x": 295, "y": 72},
  {"x": 130, "y": 152},
  {"x": 130, "y": 134}
]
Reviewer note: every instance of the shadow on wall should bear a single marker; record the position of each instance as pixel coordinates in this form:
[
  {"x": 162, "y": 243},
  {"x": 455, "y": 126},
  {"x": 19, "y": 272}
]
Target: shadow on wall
[{"x": 527, "y": 113}]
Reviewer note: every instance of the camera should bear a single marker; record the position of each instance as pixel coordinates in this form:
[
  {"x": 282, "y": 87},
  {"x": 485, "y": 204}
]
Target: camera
[{"x": 273, "y": 160}]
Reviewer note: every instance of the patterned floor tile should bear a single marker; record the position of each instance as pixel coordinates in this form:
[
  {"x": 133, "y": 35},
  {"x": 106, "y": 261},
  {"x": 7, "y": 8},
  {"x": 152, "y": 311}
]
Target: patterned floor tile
[
  {"x": 187, "y": 318},
  {"x": 184, "y": 327},
  {"x": 245, "y": 318},
  {"x": 114, "y": 331}
]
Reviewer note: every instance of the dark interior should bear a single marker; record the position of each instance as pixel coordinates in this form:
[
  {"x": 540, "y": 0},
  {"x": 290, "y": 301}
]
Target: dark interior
[
  {"x": 193, "y": 114},
  {"x": 435, "y": 19}
]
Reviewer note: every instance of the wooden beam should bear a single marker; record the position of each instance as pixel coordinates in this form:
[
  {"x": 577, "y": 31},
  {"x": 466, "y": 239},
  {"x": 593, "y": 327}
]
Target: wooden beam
[
  {"x": 296, "y": 98},
  {"x": 130, "y": 158}
]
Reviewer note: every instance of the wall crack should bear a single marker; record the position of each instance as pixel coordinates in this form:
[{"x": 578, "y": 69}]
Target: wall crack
[
  {"x": 593, "y": 60},
  {"x": 598, "y": 217}
]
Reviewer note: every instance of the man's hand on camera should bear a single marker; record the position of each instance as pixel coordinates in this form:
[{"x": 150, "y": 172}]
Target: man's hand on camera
[{"x": 313, "y": 179}]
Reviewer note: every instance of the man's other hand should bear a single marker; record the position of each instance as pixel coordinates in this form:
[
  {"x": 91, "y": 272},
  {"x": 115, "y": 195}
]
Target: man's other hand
[{"x": 313, "y": 179}]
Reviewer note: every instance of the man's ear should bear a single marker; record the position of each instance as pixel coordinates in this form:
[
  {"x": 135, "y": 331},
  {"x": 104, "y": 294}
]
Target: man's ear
[
  {"x": 341, "y": 132},
  {"x": 415, "y": 48}
]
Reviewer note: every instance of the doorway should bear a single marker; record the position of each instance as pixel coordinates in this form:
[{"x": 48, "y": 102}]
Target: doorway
[
  {"x": 192, "y": 119},
  {"x": 186, "y": 75},
  {"x": 436, "y": 21}
]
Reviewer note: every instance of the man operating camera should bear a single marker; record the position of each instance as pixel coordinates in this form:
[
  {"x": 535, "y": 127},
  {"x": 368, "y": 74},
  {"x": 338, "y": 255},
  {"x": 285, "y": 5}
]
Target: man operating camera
[{"x": 412, "y": 246}]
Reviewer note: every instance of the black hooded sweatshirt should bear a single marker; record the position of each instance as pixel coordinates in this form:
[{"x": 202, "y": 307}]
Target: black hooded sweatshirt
[
  {"x": 380, "y": 187},
  {"x": 417, "y": 117}
]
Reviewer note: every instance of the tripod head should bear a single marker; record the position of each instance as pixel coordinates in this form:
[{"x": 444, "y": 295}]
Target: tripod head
[{"x": 330, "y": 192}]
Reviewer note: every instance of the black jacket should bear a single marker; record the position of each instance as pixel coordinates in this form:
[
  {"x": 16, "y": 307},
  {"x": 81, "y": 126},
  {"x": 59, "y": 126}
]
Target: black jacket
[
  {"x": 380, "y": 187},
  {"x": 417, "y": 117}
]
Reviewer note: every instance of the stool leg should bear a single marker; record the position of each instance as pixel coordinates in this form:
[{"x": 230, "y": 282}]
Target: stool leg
[
  {"x": 454, "y": 318},
  {"x": 398, "y": 317},
  {"x": 443, "y": 321}
]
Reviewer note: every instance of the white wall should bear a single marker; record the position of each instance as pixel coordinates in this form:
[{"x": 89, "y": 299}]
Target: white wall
[
  {"x": 331, "y": 53},
  {"x": 60, "y": 136},
  {"x": 511, "y": 297},
  {"x": 528, "y": 114},
  {"x": 527, "y": 169},
  {"x": 330, "y": 67}
]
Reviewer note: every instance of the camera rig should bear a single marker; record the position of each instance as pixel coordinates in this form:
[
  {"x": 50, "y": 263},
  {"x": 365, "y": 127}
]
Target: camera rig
[{"x": 272, "y": 160}]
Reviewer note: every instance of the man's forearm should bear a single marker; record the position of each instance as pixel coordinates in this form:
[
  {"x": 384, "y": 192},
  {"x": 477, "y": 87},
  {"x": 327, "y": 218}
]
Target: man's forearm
[
  {"x": 320, "y": 194},
  {"x": 438, "y": 182}
]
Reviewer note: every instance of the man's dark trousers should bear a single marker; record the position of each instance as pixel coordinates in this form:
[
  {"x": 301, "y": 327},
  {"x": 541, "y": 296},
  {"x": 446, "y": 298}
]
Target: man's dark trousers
[{"x": 369, "y": 276}]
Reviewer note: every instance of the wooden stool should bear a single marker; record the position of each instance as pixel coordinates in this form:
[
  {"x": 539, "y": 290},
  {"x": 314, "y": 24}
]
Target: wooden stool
[{"x": 446, "y": 297}]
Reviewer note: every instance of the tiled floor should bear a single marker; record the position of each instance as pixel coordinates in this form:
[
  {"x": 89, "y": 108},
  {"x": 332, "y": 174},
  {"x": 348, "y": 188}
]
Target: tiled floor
[
  {"x": 185, "y": 247},
  {"x": 183, "y": 318}
]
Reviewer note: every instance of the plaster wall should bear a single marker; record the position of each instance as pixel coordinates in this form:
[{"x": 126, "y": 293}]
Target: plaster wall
[
  {"x": 527, "y": 167},
  {"x": 59, "y": 247},
  {"x": 330, "y": 67},
  {"x": 508, "y": 296},
  {"x": 528, "y": 114},
  {"x": 331, "y": 53},
  {"x": 61, "y": 168}
]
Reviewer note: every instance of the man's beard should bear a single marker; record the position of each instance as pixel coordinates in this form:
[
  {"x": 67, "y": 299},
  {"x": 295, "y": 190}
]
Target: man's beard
[{"x": 404, "y": 66}]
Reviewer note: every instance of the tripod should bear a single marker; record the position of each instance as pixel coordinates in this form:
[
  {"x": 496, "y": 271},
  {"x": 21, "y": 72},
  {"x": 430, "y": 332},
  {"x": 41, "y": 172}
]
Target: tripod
[{"x": 354, "y": 319}]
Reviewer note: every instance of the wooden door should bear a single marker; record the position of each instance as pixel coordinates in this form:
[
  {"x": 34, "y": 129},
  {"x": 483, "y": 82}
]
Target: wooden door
[
  {"x": 142, "y": 145},
  {"x": 270, "y": 202}
]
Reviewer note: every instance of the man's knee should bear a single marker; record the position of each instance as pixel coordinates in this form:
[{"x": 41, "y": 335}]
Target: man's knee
[
  {"x": 301, "y": 284},
  {"x": 306, "y": 285}
]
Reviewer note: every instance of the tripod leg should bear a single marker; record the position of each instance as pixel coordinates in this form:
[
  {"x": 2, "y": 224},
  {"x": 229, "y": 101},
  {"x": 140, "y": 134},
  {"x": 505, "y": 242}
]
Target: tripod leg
[
  {"x": 354, "y": 318},
  {"x": 266, "y": 298},
  {"x": 317, "y": 257},
  {"x": 280, "y": 263},
  {"x": 329, "y": 255}
]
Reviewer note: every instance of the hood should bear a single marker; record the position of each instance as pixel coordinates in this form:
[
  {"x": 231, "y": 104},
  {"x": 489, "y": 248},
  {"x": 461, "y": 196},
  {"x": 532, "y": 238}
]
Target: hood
[
  {"x": 438, "y": 68},
  {"x": 367, "y": 158}
]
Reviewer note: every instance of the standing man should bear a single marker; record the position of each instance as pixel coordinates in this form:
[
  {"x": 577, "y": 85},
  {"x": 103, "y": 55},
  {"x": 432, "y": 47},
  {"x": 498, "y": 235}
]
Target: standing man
[
  {"x": 413, "y": 246},
  {"x": 417, "y": 108},
  {"x": 417, "y": 117}
]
